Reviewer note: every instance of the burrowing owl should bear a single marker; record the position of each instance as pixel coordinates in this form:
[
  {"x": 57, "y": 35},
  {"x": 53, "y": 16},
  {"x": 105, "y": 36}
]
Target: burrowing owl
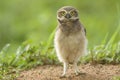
[{"x": 70, "y": 40}]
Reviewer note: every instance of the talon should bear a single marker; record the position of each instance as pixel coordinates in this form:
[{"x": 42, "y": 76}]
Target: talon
[
  {"x": 77, "y": 73},
  {"x": 62, "y": 76}
]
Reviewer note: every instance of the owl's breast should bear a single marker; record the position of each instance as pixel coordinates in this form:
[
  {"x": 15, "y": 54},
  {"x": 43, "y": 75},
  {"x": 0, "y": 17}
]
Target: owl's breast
[
  {"x": 70, "y": 47},
  {"x": 72, "y": 42}
]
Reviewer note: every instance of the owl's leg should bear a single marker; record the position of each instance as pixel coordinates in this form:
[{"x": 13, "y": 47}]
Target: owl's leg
[
  {"x": 65, "y": 66},
  {"x": 76, "y": 68}
]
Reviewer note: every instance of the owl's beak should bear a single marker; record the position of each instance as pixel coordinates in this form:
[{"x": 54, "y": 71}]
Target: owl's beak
[{"x": 67, "y": 16}]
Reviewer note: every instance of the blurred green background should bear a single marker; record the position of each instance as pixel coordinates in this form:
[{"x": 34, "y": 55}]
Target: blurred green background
[{"x": 34, "y": 20}]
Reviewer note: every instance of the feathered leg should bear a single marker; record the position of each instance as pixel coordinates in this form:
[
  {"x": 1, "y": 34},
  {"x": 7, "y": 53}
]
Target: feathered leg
[
  {"x": 65, "y": 66},
  {"x": 76, "y": 68}
]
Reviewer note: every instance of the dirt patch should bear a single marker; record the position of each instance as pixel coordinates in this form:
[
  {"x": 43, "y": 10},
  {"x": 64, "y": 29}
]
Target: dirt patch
[{"x": 88, "y": 72}]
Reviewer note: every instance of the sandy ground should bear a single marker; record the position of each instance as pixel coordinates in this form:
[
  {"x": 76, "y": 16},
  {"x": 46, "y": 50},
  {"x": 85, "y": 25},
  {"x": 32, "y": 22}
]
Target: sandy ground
[{"x": 88, "y": 72}]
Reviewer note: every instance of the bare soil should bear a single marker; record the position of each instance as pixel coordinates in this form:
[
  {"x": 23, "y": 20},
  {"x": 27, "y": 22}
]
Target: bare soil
[{"x": 88, "y": 72}]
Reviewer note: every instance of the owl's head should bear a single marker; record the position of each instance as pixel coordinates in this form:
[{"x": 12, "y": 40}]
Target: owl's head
[{"x": 67, "y": 13}]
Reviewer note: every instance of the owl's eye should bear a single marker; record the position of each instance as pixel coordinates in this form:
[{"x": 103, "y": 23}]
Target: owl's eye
[
  {"x": 72, "y": 13},
  {"x": 62, "y": 13}
]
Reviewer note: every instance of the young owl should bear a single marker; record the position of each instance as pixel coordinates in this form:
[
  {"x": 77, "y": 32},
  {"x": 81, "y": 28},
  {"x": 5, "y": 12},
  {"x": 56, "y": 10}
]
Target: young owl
[{"x": 70, "y": 40}]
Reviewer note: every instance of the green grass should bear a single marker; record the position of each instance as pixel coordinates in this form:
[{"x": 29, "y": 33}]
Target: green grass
[
  {"x": 26, "y": 57},
  {"x": 107, "y": 52}
]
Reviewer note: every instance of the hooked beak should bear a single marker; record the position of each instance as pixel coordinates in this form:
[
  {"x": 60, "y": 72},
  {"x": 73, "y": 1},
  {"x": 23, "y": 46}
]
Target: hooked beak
[{"x": 67, "y": 16}]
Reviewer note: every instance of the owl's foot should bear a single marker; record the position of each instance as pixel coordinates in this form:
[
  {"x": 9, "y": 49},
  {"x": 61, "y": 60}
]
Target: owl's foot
[
  {"x": 65, "y": 65},
  {"x": 63, "y": 76},
  {"x": 77, "y": 72}
]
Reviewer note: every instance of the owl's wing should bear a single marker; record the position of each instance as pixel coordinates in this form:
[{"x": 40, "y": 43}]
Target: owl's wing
[{"x": 85, "y": 31}]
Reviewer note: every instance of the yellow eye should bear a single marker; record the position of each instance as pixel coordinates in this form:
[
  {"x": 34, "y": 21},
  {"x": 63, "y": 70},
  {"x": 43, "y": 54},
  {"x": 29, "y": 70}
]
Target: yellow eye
[
  {"x": 72, "y": 13},
  {"x": 63, "y": 13}
]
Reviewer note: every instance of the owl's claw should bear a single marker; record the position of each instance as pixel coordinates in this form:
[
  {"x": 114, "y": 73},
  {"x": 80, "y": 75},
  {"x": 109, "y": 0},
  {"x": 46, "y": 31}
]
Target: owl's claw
[
  {"x": 77, "y": 73},
  {"x": 63, "y": 76}
]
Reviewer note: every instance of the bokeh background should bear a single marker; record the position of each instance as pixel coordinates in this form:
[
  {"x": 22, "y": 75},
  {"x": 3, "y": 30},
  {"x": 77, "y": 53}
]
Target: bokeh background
[{"x": 34, "y": 20}]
